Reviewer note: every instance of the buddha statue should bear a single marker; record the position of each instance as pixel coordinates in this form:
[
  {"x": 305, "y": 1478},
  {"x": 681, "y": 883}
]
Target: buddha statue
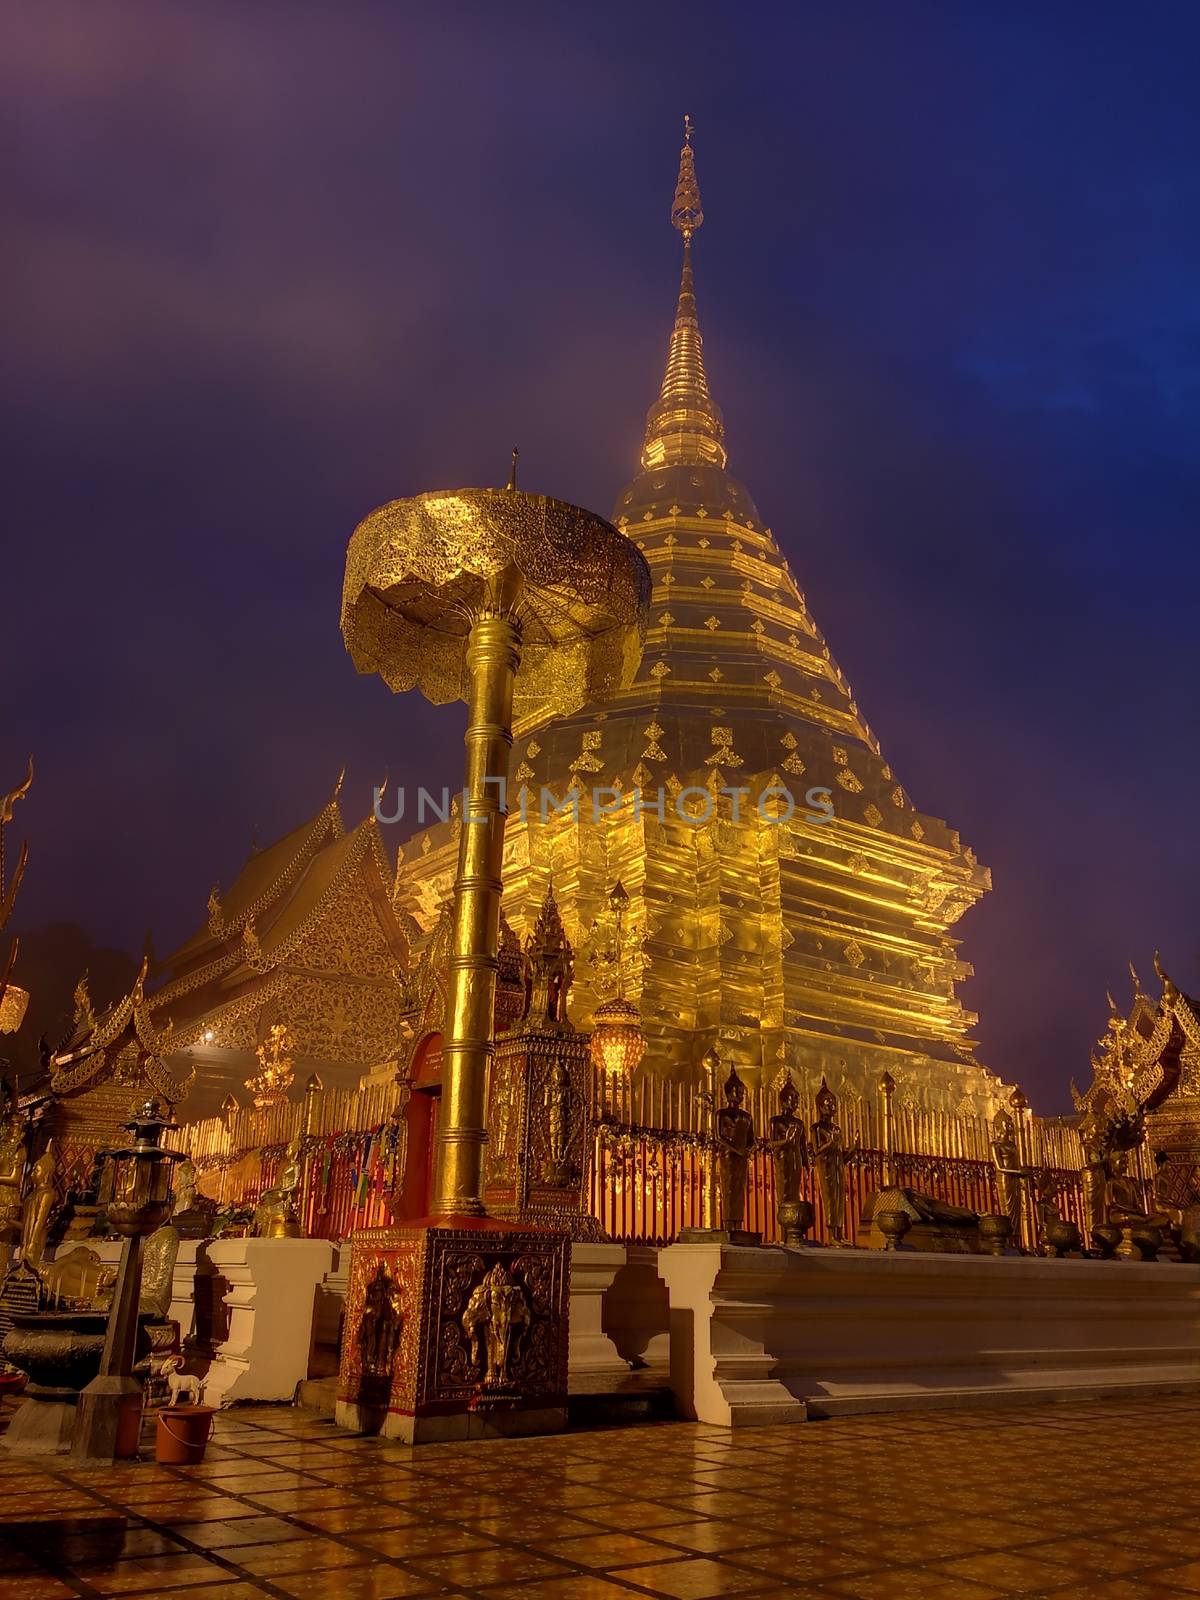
[
  {"x": 787, "y": 1141},
  {"x": 12, "y": 1173},
  {"x": 275, "y": 1215},
  {"x": 1006, "y": 1158},
  {"x": 1126, "y": 1204},
  {"x": 735, "y": 1142},
  {"x": 829, "y": 1159},
  {"x": 39, "y": 1204}
]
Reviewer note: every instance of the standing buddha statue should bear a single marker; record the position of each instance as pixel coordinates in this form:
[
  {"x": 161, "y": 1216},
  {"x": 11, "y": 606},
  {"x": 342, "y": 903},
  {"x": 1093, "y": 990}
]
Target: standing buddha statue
[
  {"x": 829, "y": 1159},
  {"x": 35, "y": 1220},
  {"x": 12, "y": 1173},
  {"x": 1006, "y": 1158},
  {"x": 735, "y": 1142},
  {"x": 787, "y": 1141}
]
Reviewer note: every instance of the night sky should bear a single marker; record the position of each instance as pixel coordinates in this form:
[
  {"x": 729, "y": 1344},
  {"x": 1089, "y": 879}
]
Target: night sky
[{"x": 268, "y": 265}]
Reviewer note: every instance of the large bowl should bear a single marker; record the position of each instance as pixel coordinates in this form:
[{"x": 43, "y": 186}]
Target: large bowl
[{"x": 59, "y": 1351}]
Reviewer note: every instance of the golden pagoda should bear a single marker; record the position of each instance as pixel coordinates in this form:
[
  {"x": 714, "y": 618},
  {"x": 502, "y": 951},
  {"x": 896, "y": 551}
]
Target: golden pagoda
[{"x": 782, "y": 934}]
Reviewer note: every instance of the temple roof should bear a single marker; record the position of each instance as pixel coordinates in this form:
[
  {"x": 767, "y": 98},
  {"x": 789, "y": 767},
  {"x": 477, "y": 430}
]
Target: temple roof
[
  {"x": 265, "y": 876},
  {"x": 1146, "y": 1055},
  {"x": 251, "y": 951}
]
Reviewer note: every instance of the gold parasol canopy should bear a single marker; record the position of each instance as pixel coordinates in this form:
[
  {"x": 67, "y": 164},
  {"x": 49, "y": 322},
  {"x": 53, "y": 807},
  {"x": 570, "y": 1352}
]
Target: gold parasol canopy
[{"x": 417, "y": 577}]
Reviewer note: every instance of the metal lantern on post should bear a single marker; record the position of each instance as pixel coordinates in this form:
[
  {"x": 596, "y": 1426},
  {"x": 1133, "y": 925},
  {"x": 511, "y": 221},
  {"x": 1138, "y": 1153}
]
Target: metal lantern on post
[
  {"x": 618, "y": 1041},
  {"x": 141, "y": 1203}
]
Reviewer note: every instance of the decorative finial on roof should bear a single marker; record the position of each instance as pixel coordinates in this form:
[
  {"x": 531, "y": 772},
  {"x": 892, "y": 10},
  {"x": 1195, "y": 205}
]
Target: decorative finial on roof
[
  {"x": 687, "y": 214},
  {"x": 512, "y": 477},
  {"x": 337, "y": 788},
  {"x": 684, "y": 425}
]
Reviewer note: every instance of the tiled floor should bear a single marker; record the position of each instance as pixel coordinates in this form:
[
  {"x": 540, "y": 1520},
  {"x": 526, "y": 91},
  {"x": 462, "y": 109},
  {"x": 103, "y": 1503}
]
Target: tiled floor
[{"x": 1070, "y": 1501}]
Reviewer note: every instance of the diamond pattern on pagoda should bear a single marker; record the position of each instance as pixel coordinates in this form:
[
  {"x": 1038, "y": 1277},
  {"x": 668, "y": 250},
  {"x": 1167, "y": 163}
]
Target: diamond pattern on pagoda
[
  {"x": 847, "y": 779},
  {"x": 585, "y": 761},
  {"x": 722, "y": 738},
  {"x": 653, "y": 751},
  {"x": 873, "y": 815},
  {"x": 853, "y": 953}
]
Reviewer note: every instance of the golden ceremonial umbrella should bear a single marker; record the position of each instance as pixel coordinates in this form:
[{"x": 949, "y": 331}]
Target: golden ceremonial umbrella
[{"x": 502, "y": 599}]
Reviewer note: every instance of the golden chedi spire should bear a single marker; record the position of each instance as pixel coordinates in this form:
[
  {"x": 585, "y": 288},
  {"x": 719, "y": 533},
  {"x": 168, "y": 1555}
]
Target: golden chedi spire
[
  {"x": 825, "y": 934},
  {"x": 684, "y": 424}
]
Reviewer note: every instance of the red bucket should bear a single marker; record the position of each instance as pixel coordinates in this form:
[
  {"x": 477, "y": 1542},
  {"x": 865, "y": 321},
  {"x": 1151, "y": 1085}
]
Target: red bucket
[{"x": 181, "y": 1435}]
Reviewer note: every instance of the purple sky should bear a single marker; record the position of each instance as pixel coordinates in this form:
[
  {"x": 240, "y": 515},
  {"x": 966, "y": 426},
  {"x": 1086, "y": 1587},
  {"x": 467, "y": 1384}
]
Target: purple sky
[{"x": 268, "y": 265}]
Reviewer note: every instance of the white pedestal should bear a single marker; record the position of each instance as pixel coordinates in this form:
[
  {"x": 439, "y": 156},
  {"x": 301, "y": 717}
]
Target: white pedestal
[
  {"x": 591, "y": 1353},
  {"x": 268, "y": 1288},
  {"x": 838, "y": 1331},
  {"x": 724, "y": 1308}
]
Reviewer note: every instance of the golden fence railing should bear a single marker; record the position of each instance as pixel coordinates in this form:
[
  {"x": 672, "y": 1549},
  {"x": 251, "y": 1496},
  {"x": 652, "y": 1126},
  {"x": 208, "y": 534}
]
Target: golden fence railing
[
  {"x": 651, "y": 1168},
  {"x": 651, "y": 1162},
  {"x": 349, "y": 1151}
]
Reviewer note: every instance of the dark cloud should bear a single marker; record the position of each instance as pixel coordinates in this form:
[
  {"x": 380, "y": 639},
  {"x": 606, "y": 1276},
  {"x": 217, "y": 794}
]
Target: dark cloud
[{"x": 267, "y": 266}]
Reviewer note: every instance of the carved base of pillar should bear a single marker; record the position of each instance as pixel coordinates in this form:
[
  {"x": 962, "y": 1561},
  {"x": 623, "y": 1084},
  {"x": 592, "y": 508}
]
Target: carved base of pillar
[{"x": 455, "y": 1328}]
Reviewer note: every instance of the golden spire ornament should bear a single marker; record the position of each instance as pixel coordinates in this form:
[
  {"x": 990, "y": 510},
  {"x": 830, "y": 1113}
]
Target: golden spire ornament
[{"x": 685, "y": 423}]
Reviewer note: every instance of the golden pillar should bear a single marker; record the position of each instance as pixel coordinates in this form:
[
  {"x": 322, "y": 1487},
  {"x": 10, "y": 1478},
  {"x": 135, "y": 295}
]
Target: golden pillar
[
  {"x": 493, "y": 657},
  {"x": 508, "y": 601}
]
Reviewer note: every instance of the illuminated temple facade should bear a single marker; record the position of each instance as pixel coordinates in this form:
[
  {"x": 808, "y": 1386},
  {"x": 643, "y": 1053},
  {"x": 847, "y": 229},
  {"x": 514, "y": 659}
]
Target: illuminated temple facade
[{"x": 821, "y": 945}]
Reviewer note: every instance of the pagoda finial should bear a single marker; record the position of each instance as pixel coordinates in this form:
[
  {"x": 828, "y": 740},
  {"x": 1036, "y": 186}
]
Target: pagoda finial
[
  {"x": 685, "y": 424},
  {"x": 686, "y": 211}
]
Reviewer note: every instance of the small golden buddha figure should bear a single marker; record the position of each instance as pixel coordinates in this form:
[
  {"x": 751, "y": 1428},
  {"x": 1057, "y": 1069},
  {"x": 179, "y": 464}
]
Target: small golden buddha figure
[{"x": 275, "y": 1215}]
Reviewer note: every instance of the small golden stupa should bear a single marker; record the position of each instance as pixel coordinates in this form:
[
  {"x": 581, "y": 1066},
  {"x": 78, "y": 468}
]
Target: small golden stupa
[{"x": 799, "y": 940}]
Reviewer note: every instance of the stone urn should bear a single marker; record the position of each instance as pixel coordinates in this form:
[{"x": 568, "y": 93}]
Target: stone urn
[
  {"x": 995, "y": 1233},
  {"x": 893, "y": 1225},
  {"x": 1062, "y": 1237},
  {"x": 60, "y": 1352},
  {"x": 795, "y": 1218}
]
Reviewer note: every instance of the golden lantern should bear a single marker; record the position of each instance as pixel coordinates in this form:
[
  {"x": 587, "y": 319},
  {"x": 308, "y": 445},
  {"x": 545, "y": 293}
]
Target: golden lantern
[
  {"x": 618, "y": 1043},
  {"x": 13, "y": 1001}
]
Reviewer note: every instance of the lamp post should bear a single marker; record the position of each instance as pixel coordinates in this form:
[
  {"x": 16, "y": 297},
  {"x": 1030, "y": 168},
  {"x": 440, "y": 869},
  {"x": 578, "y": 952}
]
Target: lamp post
[{"x": 141, "y": 1202}]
